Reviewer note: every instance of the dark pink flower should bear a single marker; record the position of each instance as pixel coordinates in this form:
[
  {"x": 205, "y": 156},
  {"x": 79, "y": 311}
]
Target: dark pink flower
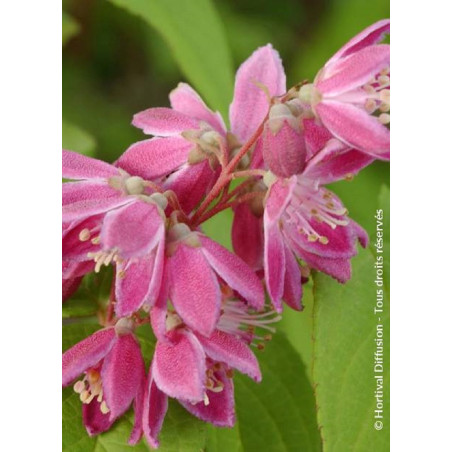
[
  {"x": 112, "y": 217},
  {"x": 302, "y": 219},
  {"x": 114, "y": 377},
  {"x": 193, "y": 266},
  {"x": 350, "y": 95},
  {"x": 197, "y": 370}
]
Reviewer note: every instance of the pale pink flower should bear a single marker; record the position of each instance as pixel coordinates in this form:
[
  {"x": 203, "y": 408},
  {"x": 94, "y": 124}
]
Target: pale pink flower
[
  {"x": 197, "y": 370},
  {"x": 302, "y": 219},
  {"x": 112, "y": 217},
  {"x": 350, "y": 94},
  {"x": 114, "y": 377}
]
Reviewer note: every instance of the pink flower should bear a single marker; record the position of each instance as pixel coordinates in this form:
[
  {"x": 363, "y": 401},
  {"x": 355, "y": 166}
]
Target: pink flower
[
  {"x": 193, "y": 266},
  {"x": 302, "y": 219},
  {"x": 190, "y": 140},
  {"x": 111, "y": 216},
  {"x": 114, "y": 377},
  {"x": 352, "y": 88},
  {"x": 197, "y": 370}
]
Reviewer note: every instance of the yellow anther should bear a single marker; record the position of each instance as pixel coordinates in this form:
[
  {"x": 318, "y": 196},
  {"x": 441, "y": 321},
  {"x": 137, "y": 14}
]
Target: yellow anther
[
  {"x": 370, "y": 105},
  {"x": 384, "y": 108},
  {"x": 96, "y": 240},
  {"x": 383, "y": 79},
  {"x": 369, "y": 89},
  {"x": 84, "y": 235},
  {"x": 104, "y": 408},
  {"x": 268, "y": 337},
  {"x": 79, "y": 386},
  {"x": 385, "y": 96},
  {"x": 121, "y": 274},
  {"x": 323, "y": 240},
  {"x": 84, "y": 396},
  {"x": 384, "y": 71},
  {"x": 384, "y": 118},
  {"x": 312, "y": 238},
  {"x": 348, "y": 177}
]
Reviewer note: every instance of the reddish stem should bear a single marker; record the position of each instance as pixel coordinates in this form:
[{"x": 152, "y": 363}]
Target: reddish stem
[
  {"x": 226, "y": 205},
  {"x": 226, "y": 176}
]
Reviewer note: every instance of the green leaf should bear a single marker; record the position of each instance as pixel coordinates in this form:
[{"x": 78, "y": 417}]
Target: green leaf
[
  {"x": 298, "y": 327},
  {"x": 194, "y": 32},
  {"x": 345, "y": 332},
  {"x": 279, "y": 413},
  {"x": 76, "y": 139},
  {"x": 70, "y": 27},
  {"x": 223, "y": 439}
]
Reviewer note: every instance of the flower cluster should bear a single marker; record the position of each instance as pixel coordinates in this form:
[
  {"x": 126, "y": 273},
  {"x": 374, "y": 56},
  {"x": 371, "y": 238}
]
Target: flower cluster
[{"x": 143, "y": 215}]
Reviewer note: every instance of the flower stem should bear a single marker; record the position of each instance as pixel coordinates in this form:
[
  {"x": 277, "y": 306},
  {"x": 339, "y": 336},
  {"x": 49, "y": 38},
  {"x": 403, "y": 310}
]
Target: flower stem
[{"x": 226, "y": 175}]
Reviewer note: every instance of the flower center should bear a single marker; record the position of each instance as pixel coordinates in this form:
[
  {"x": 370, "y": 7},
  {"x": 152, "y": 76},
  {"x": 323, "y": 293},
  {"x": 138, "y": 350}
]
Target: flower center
[
  {"x": 104, "y": 257},
  {"x": 378, "y": 96},
  {"x": 310, "y": 202},
  {"x": 91, "y": 387}
]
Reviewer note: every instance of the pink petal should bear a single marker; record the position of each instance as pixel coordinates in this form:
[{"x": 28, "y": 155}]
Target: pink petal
[
  {"x": 74, "y": 269},
  {"x": 134, "y": 229},
  {"x": 369, "y": 36},
  {"x": 191, "y": 183},
  {"x": 278, "y": 197},
  {"x": 133, "y": 284},
  {"x": 234, "y": 271},
  {"x": 341, "y": 241},
  {"x": 78, "y": 166},
  {"x": 69, "y": 287},
  {"x": 122, "y": 374},
  {"x": 76, "y": 192},
  {"x": 179, "y": 368},
  {"x": 250, "y": 104},
  {"x": 154, "y": 158},
  {"x": 335, "y": 162},
  {"x": 284, "y": 152},
  {"x": 95, "y": 421},
  {"x": 186, "y": 100},
  {"x": 220, "y": 410},
  {"x": 316, "y": 136},
  {"x": 353, "y": 71},
  {"x": 159, "y": 311},
  {"x": 274, "y": 263},
  {"x": 81, "y": 202},
  {"x": 163, "y": 122},
  {"x": 293, "y": 289},
  {"x": 138, "y": 406},
  {"x": 355, "y": 127},
  {"x": 75, "y": 249},
  {"x": 86, "y": 354},
  {"x": 226, "y": 348},
  {"x": 193, "y": 289},
  {"x": 248, "y": 236},
  {"x": 339, "y": 269},
  {"x": 154, "y": 411}
]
